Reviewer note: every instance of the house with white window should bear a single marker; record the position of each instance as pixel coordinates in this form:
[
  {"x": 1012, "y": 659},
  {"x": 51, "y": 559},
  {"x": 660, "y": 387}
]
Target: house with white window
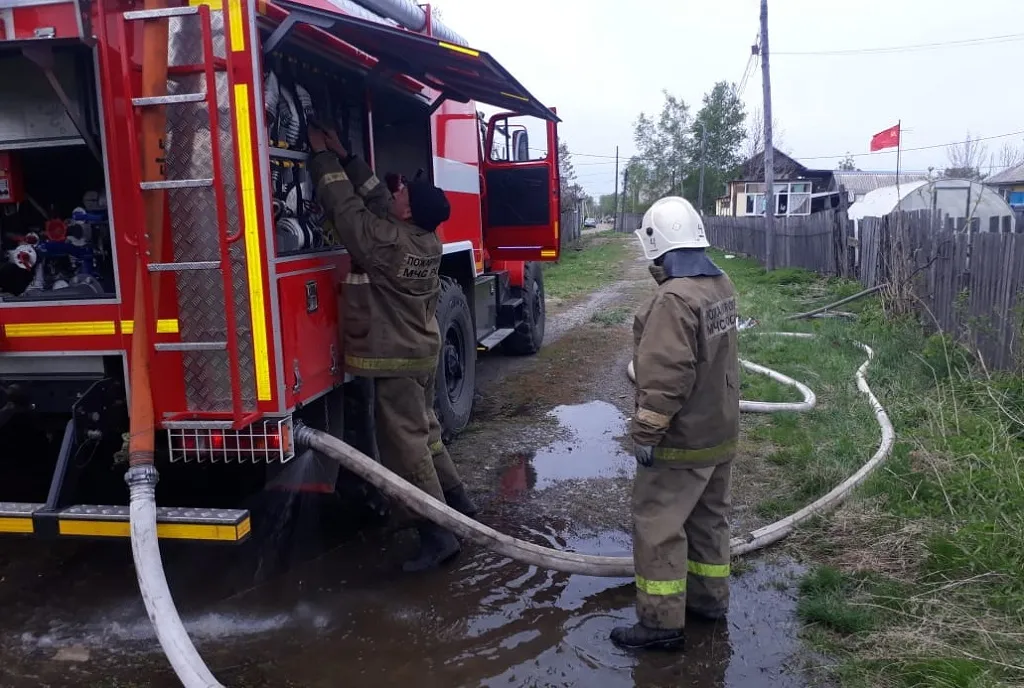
[{"x": 798, "y": 190}]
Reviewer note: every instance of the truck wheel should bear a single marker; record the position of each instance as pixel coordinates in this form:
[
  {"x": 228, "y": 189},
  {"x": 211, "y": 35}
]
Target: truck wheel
[
  {"x": 529, "y": 334},
  {"x": 455, "y": 382}
]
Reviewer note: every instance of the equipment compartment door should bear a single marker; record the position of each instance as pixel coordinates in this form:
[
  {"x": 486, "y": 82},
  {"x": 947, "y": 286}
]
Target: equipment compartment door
[{"x": 522, "y": 195}]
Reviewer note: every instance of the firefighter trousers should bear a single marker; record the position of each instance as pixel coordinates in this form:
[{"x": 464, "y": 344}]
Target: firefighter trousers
[
  {"x": 404, "y": 418},
  {"x": 681, "y": 542},
  {"x": 443, "y": 463}
]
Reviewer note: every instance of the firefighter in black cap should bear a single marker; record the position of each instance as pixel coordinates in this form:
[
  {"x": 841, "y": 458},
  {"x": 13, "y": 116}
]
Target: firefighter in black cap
[{"x": 390, "y": 331}]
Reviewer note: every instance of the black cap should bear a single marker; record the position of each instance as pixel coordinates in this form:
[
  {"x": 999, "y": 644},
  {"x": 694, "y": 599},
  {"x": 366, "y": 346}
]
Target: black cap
[{"x": 428, "y": 204}]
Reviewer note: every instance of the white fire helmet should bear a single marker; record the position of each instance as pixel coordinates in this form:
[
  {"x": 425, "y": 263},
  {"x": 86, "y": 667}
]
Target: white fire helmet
[{"x": 669, "y": 224}]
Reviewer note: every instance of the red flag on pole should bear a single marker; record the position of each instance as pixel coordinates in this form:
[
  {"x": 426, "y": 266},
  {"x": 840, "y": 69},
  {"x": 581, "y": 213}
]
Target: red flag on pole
[{"x": 890, "y": 138}]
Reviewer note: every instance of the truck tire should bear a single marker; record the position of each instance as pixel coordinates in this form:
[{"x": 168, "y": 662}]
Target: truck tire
[
  {"x": 529, "y": 334},
  {"x": 455, "y": 382}
]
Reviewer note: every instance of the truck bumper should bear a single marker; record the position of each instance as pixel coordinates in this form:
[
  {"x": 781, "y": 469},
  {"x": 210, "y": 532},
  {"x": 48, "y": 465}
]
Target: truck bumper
[{"x": 99, "y": 521}]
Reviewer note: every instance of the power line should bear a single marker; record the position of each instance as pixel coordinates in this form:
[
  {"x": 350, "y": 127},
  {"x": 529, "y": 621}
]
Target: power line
[
  {"x": 817, "y": 157},
  {"x": 1006, "y": 38}
]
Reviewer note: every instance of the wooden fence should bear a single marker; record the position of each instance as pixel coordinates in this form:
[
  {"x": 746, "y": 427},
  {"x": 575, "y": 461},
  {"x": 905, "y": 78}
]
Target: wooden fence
[
  {"x": 967, "y": 284},
  {"x": 571, "y": 225},
  {"x": 800, "y": 242}
]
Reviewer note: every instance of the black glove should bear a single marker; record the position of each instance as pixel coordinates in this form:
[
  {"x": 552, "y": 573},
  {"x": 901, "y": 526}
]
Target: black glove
[{"x": 644, "y": 455}]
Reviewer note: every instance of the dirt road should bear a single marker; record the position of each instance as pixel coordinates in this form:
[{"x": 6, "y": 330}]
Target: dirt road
[{"x": 544, "y": 457}]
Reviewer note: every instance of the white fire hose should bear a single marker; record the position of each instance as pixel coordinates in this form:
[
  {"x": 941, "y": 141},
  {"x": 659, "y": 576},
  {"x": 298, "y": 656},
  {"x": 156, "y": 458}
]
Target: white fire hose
[{"x": 589, "y": 565}]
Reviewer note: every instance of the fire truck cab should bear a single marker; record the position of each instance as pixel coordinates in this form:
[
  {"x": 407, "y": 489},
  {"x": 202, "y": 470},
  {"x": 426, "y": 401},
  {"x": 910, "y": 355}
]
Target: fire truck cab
[{"x": 244, "y": 281}]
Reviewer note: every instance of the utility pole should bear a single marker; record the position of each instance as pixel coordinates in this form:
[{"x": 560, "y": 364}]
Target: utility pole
[
  {"x": 703, "y": 148},
  {"x": 615, "y": 208},
  {"x": 625, "y": 186},
  {"x": 769, "y": 151}
]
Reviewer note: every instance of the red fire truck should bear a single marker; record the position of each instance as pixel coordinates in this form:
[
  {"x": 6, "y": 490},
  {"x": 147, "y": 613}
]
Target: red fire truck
[{"x": 244, "y": 277}]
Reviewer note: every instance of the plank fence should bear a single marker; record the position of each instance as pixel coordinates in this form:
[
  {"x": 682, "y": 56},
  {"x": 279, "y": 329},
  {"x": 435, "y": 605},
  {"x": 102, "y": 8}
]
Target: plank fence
[{"x": 967, "y": 284}]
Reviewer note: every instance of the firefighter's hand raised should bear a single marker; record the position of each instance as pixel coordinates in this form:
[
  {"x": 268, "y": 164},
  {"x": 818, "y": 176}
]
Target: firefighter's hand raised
[{"x": 326, "y": 139}]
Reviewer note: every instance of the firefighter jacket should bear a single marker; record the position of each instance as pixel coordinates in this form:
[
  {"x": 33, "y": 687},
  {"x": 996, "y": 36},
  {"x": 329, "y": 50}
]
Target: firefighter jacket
[
  {"x": 390, "y": 294},
  {"x": 687, "y": 371}
]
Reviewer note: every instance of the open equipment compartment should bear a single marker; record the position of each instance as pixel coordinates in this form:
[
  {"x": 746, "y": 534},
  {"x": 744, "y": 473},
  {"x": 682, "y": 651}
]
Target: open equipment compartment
[
  {"x": 388, "y": 128},
  {"x": 53, "y": 198}
]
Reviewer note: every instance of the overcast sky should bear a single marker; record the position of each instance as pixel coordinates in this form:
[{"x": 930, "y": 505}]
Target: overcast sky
[{"x": 601, "y": 62}]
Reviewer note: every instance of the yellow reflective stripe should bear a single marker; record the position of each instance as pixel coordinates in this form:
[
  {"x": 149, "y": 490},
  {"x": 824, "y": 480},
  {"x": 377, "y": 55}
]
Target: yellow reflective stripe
[
  {"x": 162, "y": 326},
  {"x": 18, "y": 524},
  {"x": 459, "y": 49},
  {"x": 164, "y": 531},
  {"x": 517, "y": 97},
  {"x": 437, "y": 447},
  {"x": 653, "y": 418},
  {"x": 368, "y": 186},
  {"x": 332, "y": 177},
  {"x": 237, "y": 28},
  {"x": 705, "y": 454},
  {"x": 707, "y": 570},
  {"x": 250, "y": 223},
  {"x": 549, "y": 253},
  {"x": 61, "y": 329},
  {"x": 661, "y": 588},
  {"x": 391, "y": 363}
]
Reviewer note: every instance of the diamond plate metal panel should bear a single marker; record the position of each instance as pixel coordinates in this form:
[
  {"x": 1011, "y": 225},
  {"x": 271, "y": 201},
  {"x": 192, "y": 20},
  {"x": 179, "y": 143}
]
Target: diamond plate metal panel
[
  {"x": 201, "y": 299},
  {"x": 186, "y": 44}
]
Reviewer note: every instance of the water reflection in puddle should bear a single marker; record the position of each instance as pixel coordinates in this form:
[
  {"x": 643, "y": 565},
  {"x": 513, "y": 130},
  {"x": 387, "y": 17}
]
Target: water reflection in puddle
[{"x": 591, "y": 450}]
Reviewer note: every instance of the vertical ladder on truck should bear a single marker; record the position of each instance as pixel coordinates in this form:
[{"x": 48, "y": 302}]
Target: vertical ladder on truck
[{"x": 209, "y": 67}]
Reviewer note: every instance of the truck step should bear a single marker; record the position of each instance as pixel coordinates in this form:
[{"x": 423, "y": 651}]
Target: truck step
[
  {"x": 169, "y": 100},
  {"x": 513, "y": 302},
  {"x": 181, "y": 267},
  {"x": 191, "y": 346},
  {"x": 176, "y": 184},
  {"x": 105, "y": 521},
  {"x": 494, "y": 339}
]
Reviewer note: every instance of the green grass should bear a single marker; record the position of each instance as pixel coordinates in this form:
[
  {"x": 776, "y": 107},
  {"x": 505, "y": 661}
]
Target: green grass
[
  {"x": 926, "y": 579},
  {"x": 612, "y": 316},
  {"x": 597, "y": 261}
]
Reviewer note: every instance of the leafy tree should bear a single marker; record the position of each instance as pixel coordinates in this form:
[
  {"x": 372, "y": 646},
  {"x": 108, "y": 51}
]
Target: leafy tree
[
  {"x": 572, "y": 192},
  {"x": 606, "y": 205},
  {"x": 720, "y": 122},
  {"x": 847, "y": 164},
  {"x": 662, "y": 144}
]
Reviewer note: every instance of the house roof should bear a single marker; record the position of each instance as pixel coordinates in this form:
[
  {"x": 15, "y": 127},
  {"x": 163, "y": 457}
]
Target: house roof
[
  {"x": 785, "y": 166},
  {"x": 1011, "y": 175},
  {"x": 859, "y": 183}
]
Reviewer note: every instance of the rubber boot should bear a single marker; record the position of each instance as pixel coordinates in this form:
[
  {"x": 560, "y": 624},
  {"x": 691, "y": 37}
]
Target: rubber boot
[
  {"x": 437, "y": 546},
  {"x": 709, "y": 614},
  {"x": 640, "y": 637},
  {"x": 458, "y": 499}
]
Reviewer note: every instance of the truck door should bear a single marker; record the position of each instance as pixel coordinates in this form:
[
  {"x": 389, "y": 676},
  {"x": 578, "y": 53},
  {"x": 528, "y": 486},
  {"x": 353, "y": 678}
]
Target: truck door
[{"x": 522, "y": 196}]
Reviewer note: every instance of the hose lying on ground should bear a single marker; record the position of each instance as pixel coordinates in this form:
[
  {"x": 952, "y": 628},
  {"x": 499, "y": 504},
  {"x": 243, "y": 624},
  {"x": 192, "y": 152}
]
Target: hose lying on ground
[
  {"x": 589, "y": 565},
  {"x": 810, "y": 400}
]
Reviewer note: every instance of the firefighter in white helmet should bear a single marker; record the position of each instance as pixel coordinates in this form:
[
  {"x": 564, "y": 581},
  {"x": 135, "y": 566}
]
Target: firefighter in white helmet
[{"x": 684, "y": 431}]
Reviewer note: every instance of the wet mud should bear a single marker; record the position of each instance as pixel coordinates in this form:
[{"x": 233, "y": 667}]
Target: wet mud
[{"x": 547, "y": 460}]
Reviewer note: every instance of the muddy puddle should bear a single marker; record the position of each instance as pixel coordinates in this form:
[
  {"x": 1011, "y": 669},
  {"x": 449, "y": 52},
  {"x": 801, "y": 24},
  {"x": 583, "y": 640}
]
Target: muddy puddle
[
  {"x": 589, "y": 450},
  {"x": 349, "y": 618}
]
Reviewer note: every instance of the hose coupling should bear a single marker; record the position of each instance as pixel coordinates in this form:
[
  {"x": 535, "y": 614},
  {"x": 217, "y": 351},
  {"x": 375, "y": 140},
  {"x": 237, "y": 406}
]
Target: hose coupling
[
  {"x": 301, "y": 433},
  {"x": 142, "y": 476}
]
